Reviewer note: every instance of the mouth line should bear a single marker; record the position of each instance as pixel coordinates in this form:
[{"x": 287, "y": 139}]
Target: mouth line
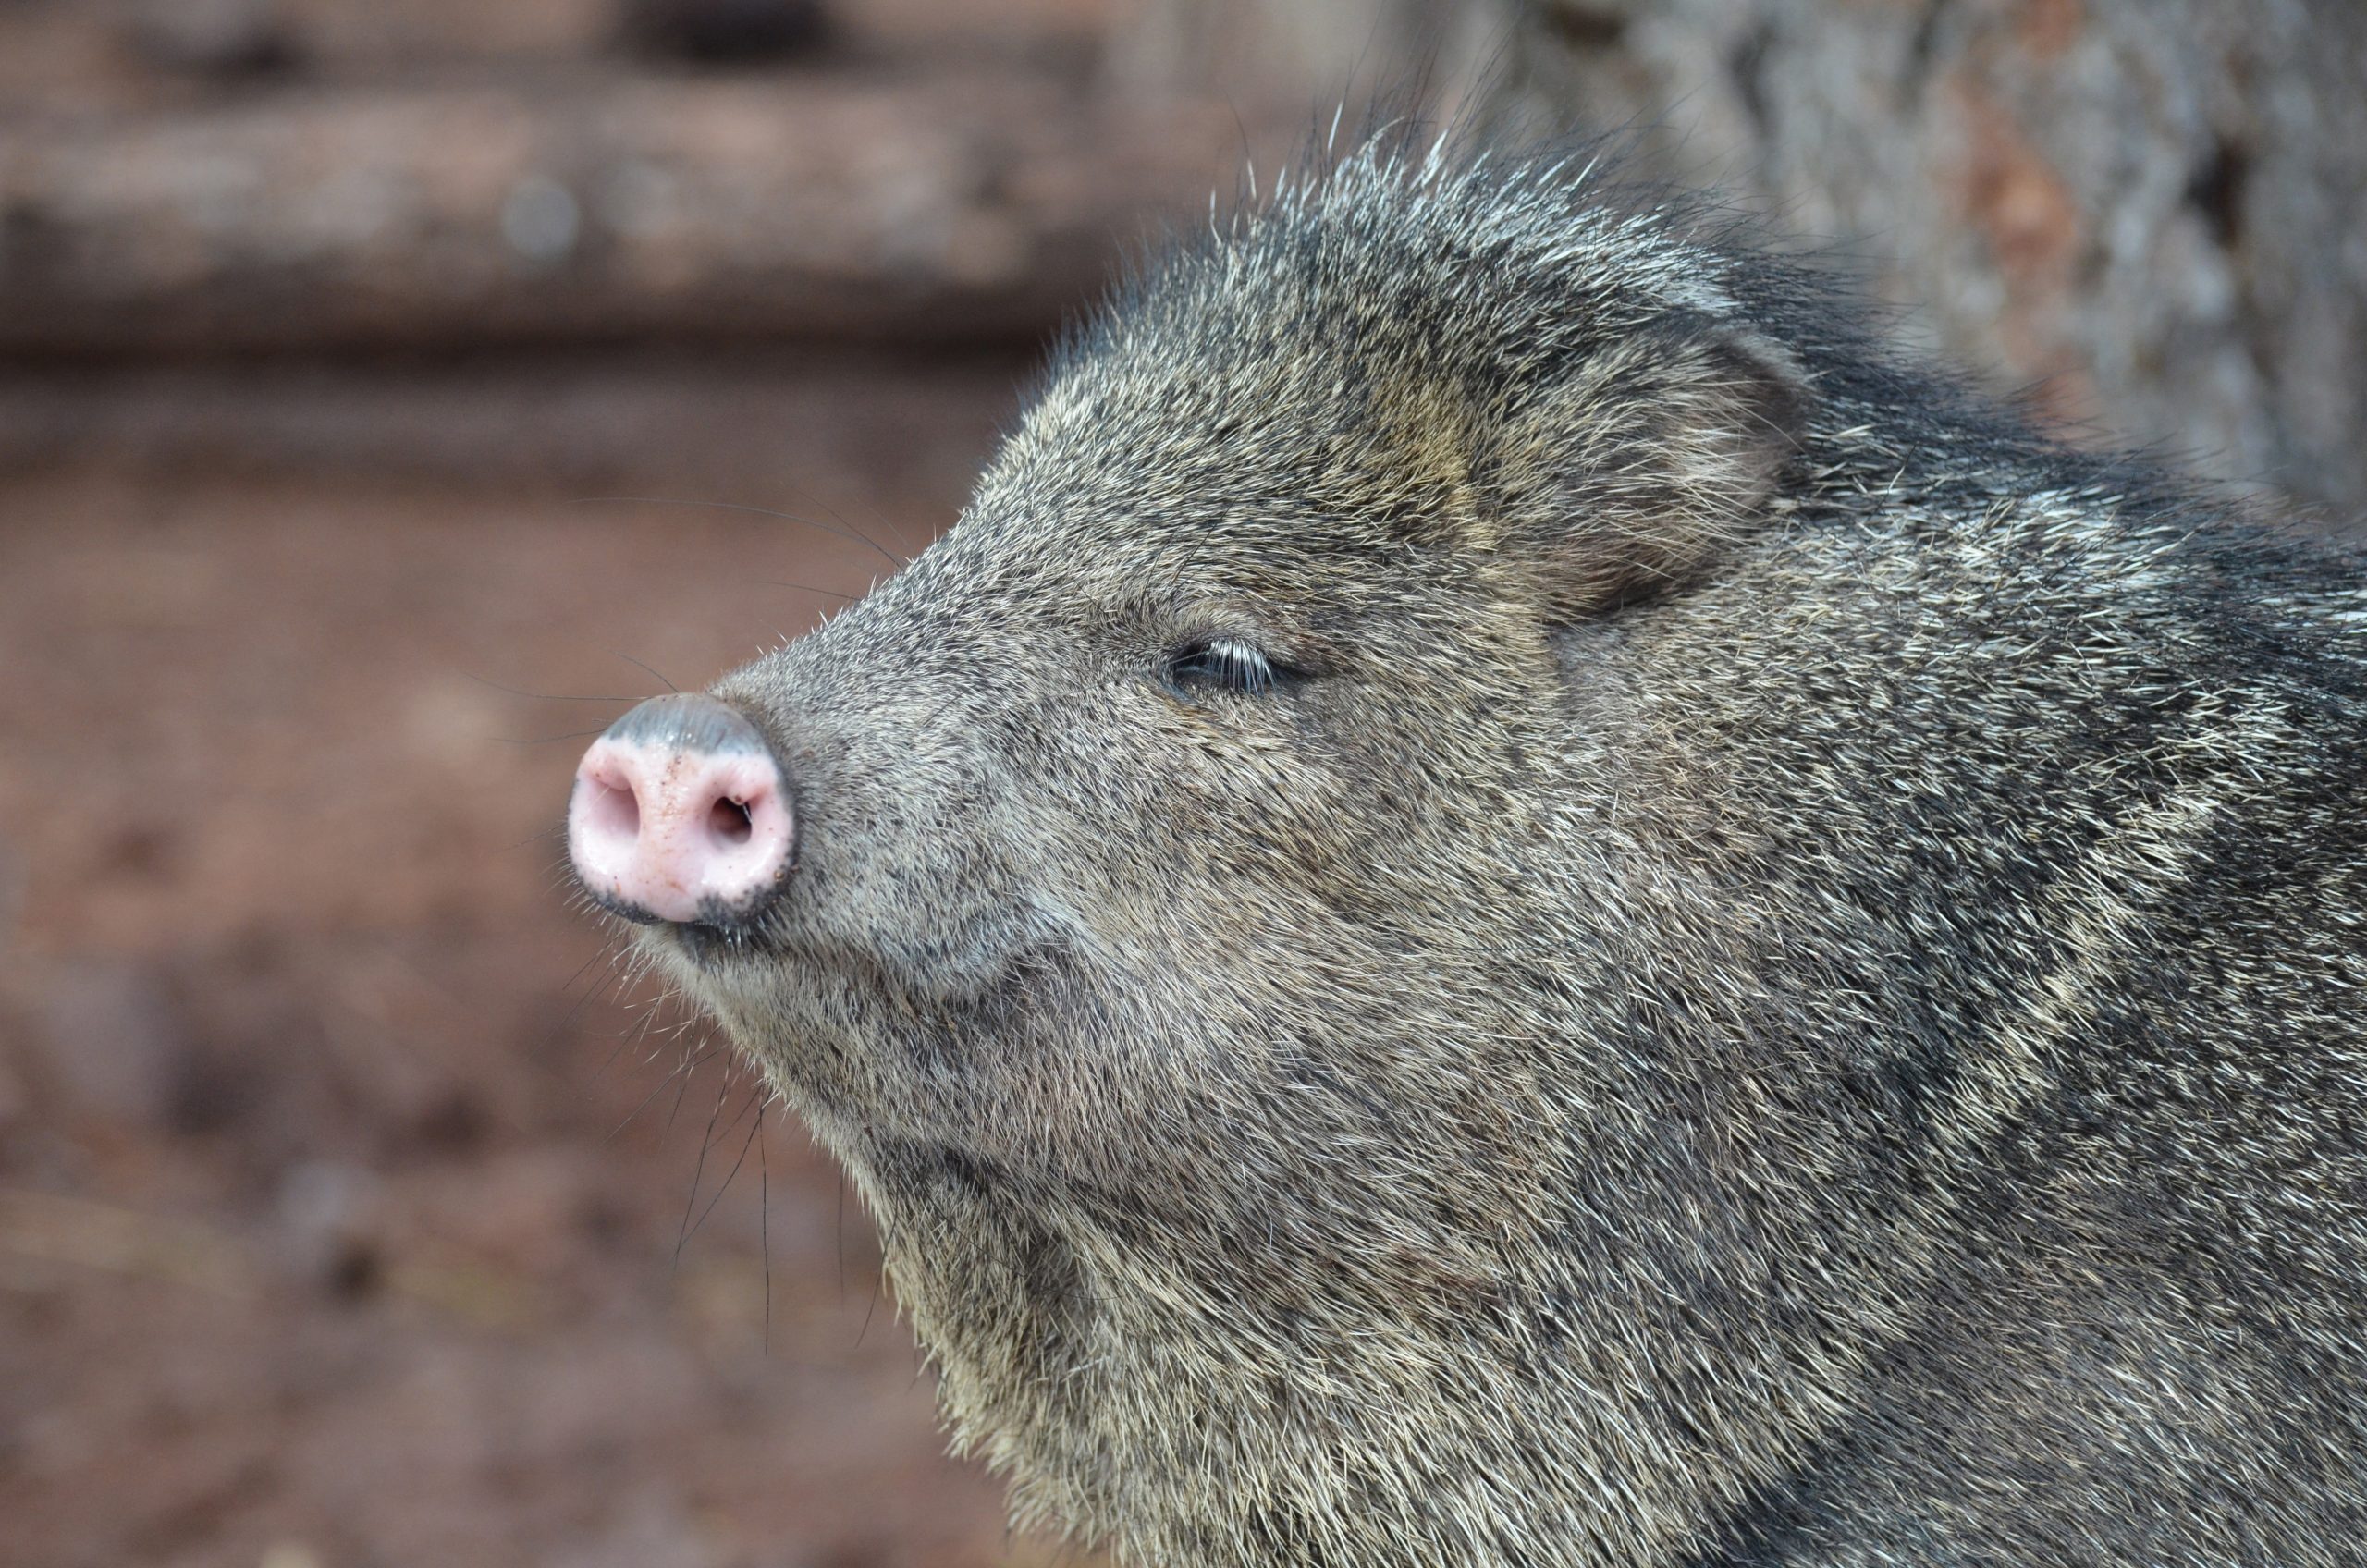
[
  {"x": 704, "y": 942},
  {"x": 1007, "y": 983}
]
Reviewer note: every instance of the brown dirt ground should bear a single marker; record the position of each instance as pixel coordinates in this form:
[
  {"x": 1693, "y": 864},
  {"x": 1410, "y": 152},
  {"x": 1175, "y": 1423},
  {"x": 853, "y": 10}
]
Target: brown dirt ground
[{"x": 318, "y": 1242}]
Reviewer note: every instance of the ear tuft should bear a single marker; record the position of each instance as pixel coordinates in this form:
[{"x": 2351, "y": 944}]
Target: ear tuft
[{"x": 1632, "y": 473}]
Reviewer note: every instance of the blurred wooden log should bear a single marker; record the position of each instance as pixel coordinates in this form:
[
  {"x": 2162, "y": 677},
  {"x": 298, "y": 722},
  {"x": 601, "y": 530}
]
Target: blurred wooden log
[{"x": 972, "y": 206}]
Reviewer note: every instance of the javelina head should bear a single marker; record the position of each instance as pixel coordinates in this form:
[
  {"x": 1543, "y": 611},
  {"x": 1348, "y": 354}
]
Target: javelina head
[{"x": 1209, "y": 931}]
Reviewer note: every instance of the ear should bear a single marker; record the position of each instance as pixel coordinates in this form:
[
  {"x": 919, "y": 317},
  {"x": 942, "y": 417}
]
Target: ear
[{"x": 1631, "y": 473}]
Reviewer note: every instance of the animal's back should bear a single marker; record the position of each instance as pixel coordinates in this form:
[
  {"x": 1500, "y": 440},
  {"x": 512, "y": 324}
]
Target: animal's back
[{"x": 2069, "y": 758}]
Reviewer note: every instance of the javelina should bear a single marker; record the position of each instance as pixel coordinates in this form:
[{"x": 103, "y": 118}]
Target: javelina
[{"x": 1510, "y": 899}]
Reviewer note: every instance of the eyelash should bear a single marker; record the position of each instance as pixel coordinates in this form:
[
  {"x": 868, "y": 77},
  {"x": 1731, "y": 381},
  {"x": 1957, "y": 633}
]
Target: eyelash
[{"x": 1225, "y": 664}]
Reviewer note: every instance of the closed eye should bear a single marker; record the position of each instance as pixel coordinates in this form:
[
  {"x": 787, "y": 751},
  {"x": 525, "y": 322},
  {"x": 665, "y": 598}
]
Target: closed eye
[{"x": 1221, "y": 664}]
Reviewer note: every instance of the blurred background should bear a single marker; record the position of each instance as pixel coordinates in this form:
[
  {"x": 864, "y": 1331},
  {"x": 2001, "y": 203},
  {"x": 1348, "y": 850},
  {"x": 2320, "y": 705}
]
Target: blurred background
[{"x": 391, "y": 393}]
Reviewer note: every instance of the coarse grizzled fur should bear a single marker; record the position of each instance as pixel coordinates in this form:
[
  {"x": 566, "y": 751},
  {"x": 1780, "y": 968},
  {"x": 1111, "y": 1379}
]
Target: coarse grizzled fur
[{"x": 1509, "y": 898}]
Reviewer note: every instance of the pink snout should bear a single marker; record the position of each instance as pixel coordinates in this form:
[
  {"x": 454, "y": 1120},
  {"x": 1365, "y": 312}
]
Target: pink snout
[{"x": 681, "y": 813}]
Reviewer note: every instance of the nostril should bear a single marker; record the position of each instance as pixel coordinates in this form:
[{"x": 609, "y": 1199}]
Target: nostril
[
  {"x": 728, "y": 820},
  {"x": 614, "y": 810}
]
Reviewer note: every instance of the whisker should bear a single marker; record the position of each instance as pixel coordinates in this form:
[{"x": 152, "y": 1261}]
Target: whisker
[
  {"x": 804, "y": 588},
  {"x": 698, "y": 1171},
  {"x": 535, "y": 837},
  {"x": 626, "y": 1040},
  {"x": 876, "y": 517},
  {"x": 868, "y": 1312},
  {"x": 681, "y": 1094},
  {"x": 636, "y": 663},
  {"x": 690, "y": 1065},
  {"x": 764, "y": 1221},
  {"x": 552, "y": 1038},
  {"x": 547, "y": 740},
  {"x": 540, "y": 696},
  {"x": 757, "y": 1127}
]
